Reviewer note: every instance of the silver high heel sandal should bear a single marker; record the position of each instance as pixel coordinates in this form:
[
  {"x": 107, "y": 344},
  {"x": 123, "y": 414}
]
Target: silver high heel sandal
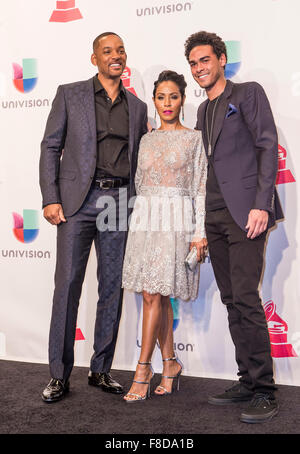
[
  {"x": 165, "y": 393},
  {"x": 140, "y": 398}
]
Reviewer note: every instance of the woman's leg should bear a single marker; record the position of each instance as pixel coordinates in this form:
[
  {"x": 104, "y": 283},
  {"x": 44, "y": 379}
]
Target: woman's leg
[
  {"x": 152, "y": 316},
  {"x": 166, "y": 342}
]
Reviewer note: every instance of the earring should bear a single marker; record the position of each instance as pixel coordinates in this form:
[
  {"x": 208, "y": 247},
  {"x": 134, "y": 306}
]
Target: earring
[
  {"x": 155, "y": 115},
  {"x": 182, "y": 113}
]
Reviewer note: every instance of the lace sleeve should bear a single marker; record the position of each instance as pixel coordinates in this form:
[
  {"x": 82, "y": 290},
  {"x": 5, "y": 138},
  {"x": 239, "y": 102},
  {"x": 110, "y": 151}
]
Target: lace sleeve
[
  {"x": 138, "y": 179},
  {"x": 139, "y": 173},
  {"x": 199, "y": 189}
]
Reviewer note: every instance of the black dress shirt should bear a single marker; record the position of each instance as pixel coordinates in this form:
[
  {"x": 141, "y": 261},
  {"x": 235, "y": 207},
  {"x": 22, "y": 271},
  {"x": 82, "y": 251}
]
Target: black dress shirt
[
  {"x": 112, "y": 122},
  {"x": 214, "y": 199}
]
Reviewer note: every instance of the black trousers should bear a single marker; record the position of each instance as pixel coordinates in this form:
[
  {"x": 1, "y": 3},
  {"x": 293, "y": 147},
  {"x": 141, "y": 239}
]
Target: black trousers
[
  {"x": 74, "y": 242},
  {"x": 237, "y": 263}
]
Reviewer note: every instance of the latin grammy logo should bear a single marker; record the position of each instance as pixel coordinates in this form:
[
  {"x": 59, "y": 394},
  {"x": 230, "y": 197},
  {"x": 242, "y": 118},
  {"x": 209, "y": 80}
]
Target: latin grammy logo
[
  {"x": 65, "y": 12},
  {"x": 126, "y": 80},
  {"x": 278, "y": 329},
  {"x": 78, "y": 335},
  {"x": 284, "y": 175}
]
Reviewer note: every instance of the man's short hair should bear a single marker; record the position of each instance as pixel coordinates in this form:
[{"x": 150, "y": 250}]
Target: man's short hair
[
  {"x": 203, "y": 39},
  {"x": 96, "y": 40}
]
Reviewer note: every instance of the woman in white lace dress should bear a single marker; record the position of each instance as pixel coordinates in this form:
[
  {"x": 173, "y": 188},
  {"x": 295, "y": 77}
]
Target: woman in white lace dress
[{"x": 167, "y": 220}]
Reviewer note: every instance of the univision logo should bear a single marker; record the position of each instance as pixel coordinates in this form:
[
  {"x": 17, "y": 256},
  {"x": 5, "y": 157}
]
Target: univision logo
[
  {"x": 164, "y": 9},
  {"x": 25, "y": 76},
  {"x": 233, "y": 58},
  {"x": 26, "y": 228},
  {"x": 180, "y": 346},
  {"x": 175, "y": 307}
]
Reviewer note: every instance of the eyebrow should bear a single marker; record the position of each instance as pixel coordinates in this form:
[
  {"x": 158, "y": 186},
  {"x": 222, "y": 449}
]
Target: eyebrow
[
  {"x": 110, "y": 47},
  {"x": 200, "y": 59},
  {"x": 173, "y": 93}
]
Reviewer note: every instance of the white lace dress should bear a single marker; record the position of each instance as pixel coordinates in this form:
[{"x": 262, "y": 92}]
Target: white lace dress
[{"x": 168, "y": 214}]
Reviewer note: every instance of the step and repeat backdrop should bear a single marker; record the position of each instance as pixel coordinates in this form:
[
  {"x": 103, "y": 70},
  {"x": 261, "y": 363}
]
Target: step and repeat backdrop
[{"x": 47, "y": 43}]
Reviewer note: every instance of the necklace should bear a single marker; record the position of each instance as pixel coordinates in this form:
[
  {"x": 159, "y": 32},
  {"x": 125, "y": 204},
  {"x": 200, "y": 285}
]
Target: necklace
[{"x": 209, "y": 136}]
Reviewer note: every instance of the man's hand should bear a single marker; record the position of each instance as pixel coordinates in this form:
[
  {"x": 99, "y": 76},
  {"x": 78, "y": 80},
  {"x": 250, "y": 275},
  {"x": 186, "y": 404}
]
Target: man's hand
[
  {"x": 54, "y": 213},
  {"x": 201, "y": 246},
  {"x": 257, "y": 223}
]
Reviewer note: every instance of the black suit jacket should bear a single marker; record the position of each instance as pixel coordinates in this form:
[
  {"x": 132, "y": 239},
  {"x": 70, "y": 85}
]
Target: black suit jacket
[
  {"x": 244, "y": 151},
  {"x": 69, "y": 147}
]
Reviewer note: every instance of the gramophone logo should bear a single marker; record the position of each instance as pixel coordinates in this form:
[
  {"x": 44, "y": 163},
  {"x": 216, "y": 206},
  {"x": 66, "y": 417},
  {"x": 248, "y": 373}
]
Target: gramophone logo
[
  {"x": 278, "y": 329},
  {"x": 126, "y": 80},
  {"x": 78, "y": 335},
  {"x": 65, "y": 12},
  {"x": 233, "y": 58},
  {"x": 25, "y": 76},
  {"x": 284, "y": 175}
]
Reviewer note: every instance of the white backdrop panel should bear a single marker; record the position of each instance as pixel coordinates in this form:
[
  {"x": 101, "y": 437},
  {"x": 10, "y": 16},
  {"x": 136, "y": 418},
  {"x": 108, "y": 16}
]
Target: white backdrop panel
[{"x": 154, "y": 32}]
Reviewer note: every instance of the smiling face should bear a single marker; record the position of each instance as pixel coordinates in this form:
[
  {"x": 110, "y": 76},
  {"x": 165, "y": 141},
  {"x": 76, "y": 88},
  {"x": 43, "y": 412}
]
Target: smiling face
[
  {"x": 110, "y": 57},
  {"x": 168, "y": 101},
  {"x": 207, "y": 69}
]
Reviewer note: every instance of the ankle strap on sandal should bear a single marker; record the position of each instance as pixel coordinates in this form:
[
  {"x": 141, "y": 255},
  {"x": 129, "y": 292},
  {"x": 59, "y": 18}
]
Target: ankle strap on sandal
[
  {"x": 145, "y": 363},
  {"x": 170, "y": 359}
]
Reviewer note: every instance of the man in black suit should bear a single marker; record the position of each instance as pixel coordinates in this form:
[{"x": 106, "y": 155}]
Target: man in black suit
[
  {"x": 240, "y": 138},
  {"x": 89, "y": 156}
]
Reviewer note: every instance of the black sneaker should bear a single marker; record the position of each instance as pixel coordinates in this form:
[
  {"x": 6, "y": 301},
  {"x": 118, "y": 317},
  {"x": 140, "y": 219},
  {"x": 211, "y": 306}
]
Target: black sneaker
[
  {"x": 263, "y": 407},
  {"x": 55, "y": 390},
  {"x": 236, "y": 393}
]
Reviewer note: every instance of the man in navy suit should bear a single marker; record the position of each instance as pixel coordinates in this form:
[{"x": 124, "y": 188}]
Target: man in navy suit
[
  {"x": 89, "y": 155},
  {"x": 241, "y": 143}
]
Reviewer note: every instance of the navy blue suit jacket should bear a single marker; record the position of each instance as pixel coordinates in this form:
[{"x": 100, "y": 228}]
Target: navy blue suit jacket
[
  {"x": 244, "y": 151},
  {"x": 69, "y": 147}
]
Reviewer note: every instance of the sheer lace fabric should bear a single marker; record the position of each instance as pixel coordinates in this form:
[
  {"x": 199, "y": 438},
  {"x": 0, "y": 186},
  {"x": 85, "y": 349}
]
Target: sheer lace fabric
[{"x": 168, "y": 214}]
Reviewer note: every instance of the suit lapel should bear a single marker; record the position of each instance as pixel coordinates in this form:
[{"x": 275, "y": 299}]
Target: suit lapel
[
  {"x": 88, "y": 100},
  {"x": 201, "y": 123},
  {"x": 221, "y": 112},
  {"x": 131, "y": 111}
]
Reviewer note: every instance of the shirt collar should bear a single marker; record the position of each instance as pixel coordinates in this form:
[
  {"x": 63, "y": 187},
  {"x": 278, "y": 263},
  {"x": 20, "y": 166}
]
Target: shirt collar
[{"x": 98, "y": 87}]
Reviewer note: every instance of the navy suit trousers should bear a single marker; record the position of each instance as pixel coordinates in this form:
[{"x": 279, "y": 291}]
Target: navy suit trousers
[{"x": 74, "y": 242}]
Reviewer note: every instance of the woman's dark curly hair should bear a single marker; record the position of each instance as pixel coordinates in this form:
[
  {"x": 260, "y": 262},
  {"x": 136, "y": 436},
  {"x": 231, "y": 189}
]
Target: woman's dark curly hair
[
  {"x": 172, "y": 76},
  {"x": 203, "y": 39}
]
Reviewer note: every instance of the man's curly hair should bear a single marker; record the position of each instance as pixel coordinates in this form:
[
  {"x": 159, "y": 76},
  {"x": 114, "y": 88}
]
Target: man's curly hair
[{"x": 203, "y": 39}]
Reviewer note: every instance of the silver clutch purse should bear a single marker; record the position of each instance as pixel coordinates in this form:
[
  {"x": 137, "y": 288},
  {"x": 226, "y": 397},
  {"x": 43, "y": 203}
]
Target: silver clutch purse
[{"x": 191, "y": 259}]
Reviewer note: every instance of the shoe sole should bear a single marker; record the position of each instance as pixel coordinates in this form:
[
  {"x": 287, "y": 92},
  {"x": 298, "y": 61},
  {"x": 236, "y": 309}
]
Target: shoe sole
[
  {"x": 256, "y": 420},
  {"x": 216, "y": 401},
  {"x": 103, "y": 388},
  {"x": 56, "y": 399},
  {"x": 134, "y": 401}
]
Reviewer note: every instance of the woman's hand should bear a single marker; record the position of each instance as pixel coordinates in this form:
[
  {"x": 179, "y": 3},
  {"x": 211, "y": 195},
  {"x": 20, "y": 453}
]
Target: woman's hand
[{"x": 201, "y": 246}]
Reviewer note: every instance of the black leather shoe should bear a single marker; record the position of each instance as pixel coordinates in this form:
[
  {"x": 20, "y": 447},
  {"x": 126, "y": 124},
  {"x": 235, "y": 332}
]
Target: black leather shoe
[
  {"x": 105, "y": 382},
  {"x": 263, "y": 407},
  {"x": 55, "y": 390},
  {"x": 236, "y": 393}
]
